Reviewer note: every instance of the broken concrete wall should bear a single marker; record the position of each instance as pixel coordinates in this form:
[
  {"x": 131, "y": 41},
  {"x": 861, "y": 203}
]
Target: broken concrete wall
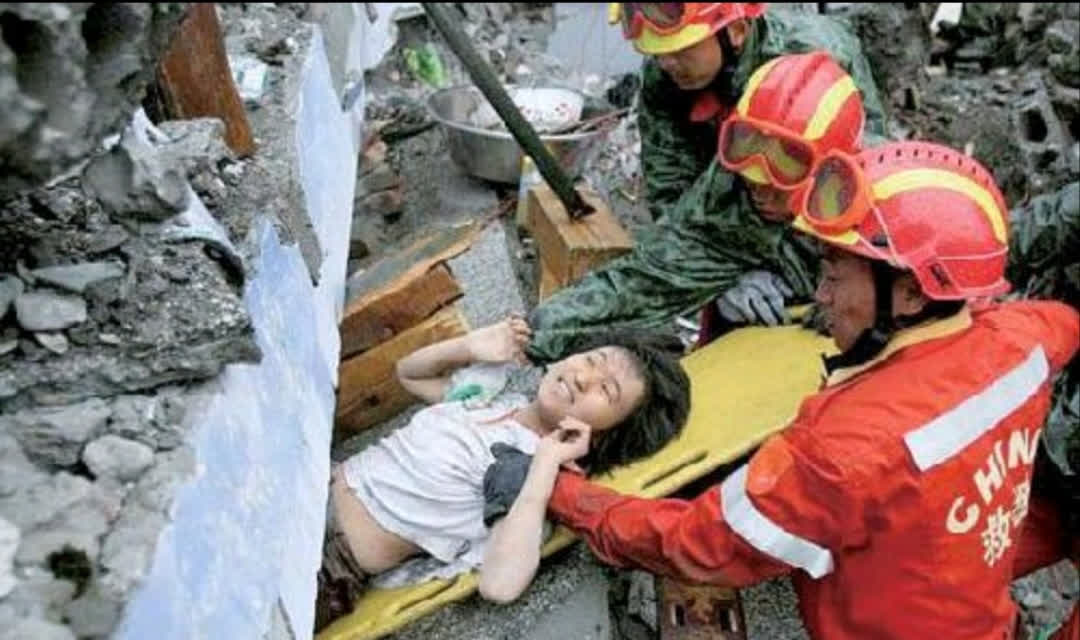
[
  {"x": 146, "y": 477},
  {"x": 70, "y": 74}
]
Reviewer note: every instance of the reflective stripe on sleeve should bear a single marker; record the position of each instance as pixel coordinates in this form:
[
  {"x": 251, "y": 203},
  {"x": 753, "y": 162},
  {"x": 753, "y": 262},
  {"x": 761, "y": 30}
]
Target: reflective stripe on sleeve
[
  {"x": 765, "y": 535},
  {"x": 948, "y": 434}
]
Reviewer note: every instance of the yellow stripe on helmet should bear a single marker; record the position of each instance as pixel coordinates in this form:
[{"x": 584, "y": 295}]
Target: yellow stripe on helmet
[
  {"x": 847, "y": 238},
  {"x": 912, "y": 179},
  {"x": 829, "y": 107},
  {"x": 654, "y": 44},
  {"x": 752, "y": 84}
]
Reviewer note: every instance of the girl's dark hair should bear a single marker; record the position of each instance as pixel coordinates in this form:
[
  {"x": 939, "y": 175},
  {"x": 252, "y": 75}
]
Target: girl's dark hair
[{"x": 664, "y": 406}]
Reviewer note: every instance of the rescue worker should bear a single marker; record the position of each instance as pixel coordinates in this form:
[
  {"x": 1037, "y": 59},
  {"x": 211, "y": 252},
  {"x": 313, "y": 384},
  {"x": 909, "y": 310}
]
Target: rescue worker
[
  {"x": 897, "y": 494},
  {"x": 706, "y": 235}
]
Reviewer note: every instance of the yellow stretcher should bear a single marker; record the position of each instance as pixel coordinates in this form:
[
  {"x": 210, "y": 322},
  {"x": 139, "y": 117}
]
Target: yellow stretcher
[{"x": 745, "y": 386}]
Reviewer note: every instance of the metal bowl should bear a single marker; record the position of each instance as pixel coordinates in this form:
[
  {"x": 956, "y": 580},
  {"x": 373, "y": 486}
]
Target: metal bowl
[{"x": 494, "y": 154}]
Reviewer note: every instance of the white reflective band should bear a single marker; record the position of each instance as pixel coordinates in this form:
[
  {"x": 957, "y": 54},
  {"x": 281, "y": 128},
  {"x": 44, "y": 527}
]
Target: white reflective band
[
  {"x": 765, "y": 535},
  {"x": 949, "y": 433}
]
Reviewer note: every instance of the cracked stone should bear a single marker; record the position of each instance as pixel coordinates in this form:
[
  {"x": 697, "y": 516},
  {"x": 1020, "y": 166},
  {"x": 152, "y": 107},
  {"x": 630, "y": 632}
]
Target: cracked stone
[
  {"x": 108, "y": 239},
  {"x": 128, "y": 550},
  {"x": 10, "y": 289},
  {"x": 55, "y": 342},
  {"x": 9, "y": 542},
  {"x": 46, "y": 311},
  {"x": 380, "y": 179},
  {"x": 36, "y": 629},
  {"x": 156, "y": 421},
  {"x": 134, "y": 180},
  {"x": 76, "y": 527},
  {"x": 76, "y": 277},
  {"x": 111, "y": 456},
  {"x": 54, "y": 436}
]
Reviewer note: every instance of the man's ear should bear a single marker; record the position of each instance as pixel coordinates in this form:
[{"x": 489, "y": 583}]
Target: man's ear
[
  {"x": 908, "y": 297},
  {"x": 737, "y": 32}
]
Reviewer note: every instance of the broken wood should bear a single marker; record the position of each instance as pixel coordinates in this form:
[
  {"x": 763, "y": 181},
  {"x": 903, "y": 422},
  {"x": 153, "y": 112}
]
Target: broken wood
[
  {"x": 194, "y": 79},
  {"x": 376, "y": 318},
  {"x": 549, "y": 284},
  {"x": 369, "y": 391},
  {"x": 572, "y": 248}
]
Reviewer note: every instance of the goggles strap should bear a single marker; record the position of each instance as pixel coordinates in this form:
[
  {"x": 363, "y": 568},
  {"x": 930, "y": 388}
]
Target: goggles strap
[{"x": 873, "y": 339}]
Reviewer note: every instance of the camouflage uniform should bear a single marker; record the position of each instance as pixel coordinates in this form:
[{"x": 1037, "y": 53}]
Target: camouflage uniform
[
  {"x": 707, "y": 232},
  {"x": 1044, "y": 262}
]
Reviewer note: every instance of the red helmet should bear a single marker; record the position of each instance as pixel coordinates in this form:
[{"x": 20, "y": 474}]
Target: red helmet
[
  {"x": 657, "y": 28},
  {"x": 919, "y": 206},
  {"x": 794, "y": 109}
]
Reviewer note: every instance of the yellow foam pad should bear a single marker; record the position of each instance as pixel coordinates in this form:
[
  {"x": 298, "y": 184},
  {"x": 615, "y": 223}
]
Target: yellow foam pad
[{"x": 746, "y": 386}]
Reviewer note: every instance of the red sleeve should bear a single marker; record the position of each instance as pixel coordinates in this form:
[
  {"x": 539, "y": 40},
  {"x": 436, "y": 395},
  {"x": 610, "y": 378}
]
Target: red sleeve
[
  {"x": 1055, "y": 325},
  {"x": 768, "y": 518}
]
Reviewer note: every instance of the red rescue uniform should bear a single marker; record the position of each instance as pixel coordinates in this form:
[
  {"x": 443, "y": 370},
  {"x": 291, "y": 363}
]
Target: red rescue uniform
[{"x": 895, "y": 497}]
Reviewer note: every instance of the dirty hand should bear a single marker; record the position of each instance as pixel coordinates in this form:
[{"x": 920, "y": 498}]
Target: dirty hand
[
  {"x": 500, "y": 342},
  {"x": 565, "y": 444},
  {"x": 757, "y": 298}
]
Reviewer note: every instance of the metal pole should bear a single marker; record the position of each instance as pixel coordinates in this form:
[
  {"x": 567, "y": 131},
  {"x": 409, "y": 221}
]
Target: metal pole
[{"x": 519, "y": 127}]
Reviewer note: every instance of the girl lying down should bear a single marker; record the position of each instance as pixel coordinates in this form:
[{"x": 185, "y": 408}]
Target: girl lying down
[{"x": 422, "y": 490}]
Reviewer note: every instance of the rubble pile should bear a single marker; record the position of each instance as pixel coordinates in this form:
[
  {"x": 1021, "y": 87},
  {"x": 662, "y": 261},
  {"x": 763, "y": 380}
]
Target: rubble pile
[{"x": 121, "y": 282}]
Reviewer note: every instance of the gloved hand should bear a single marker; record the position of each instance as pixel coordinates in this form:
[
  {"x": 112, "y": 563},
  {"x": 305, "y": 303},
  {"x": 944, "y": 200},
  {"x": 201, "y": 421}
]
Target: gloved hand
[
  {"x": 757, "y": 298},
  {"x": 503, "y": 481}
]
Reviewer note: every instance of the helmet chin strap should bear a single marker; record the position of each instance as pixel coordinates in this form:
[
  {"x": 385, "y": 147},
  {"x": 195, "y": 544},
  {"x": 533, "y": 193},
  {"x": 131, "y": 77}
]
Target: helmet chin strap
[
  {"x": 874, "y": 338},
  {"x": 724, "y": 83}
]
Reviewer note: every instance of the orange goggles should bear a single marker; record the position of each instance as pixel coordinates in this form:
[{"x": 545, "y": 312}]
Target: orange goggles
[
  {"x": 665, "y": 18},
  {"x": 838, "y": 197},
  {"x": 786, "y": 158}
]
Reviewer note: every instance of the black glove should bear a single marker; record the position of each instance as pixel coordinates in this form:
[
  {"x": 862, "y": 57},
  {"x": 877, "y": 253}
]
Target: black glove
[{"x": 503, "y": 481}]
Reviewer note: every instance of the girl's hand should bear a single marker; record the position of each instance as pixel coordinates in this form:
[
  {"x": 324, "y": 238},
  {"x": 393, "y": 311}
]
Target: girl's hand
[
  {"x": 501, "y": 342},
  {"x": 566, "y": 444}
]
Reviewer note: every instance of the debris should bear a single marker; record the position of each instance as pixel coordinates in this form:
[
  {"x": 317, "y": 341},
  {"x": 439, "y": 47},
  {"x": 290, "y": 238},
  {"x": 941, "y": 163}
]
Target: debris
[
  {"x": 54, "y": 436},
  {"x": 1032, "y": 600},
  {"x": 10, "y": 289},
  {"x": 380, "y": 179},
  {"x": 250, "y": 75},
  {"x": 947, "y": 12},
  {"x": 134, "y": 181},
  {"x": 55, "y": 342},
  {"x": 45, "y": 311},
  {"x": 7, "y": 346},
  {"x": 76, "y": 277},
  {"x": 9, "y": 542},
  {"x": 110, "y": 238},
  {"x": 198, "y": 145},
  {"x": 195, "y": 79},
  {"x": 109, "y": 338},
  {"x": 111, "y": 456},
  {"x": 426, "y": 64}
]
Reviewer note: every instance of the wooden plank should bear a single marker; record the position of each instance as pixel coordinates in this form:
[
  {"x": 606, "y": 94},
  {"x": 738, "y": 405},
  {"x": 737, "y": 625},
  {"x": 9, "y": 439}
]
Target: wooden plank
[
  {"x": 549, "y": 284},
  {"x": 572, "y": 248},
  {"x": 195, "y": 80},
  {"x": 413, "y": 261},
  {"x": 369, "y": 391},
  {"x": 404, "y": 304}
]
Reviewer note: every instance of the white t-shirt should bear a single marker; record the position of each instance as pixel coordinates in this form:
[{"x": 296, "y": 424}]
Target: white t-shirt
[{"x": 425, "y": 481}]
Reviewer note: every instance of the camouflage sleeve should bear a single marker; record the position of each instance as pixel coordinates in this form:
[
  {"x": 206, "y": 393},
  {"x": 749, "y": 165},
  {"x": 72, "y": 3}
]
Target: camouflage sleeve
[
  {"x": 710, "y": 238},
  {"x": 670, "y": 156}
]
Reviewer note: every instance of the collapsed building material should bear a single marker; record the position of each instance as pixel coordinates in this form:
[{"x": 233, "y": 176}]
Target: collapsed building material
[
  {"x": 194, "y": 79},
  {"x": 569, "y": 248},
  {"x": 369, "y": 389},
  {"x": 402, "y": 290}
]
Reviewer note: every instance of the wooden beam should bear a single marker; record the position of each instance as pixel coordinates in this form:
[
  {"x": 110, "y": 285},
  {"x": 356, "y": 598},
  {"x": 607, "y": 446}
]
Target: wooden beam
[
  {"x": 369, "y": 391},
  {"x": 374, "y": 319},
  {"x": 401, "y": 290},
  {"x": 194, "y": 78},
  {"x": 549, "y": 284},
  {"x": 572, "y": 248}
]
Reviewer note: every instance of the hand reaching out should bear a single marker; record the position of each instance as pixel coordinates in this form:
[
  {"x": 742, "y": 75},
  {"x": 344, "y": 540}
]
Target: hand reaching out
[{"x": 501, "y": 342}]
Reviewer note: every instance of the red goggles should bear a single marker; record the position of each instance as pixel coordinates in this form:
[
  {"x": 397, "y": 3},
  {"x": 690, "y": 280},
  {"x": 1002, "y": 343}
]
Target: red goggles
[
  {"x": 664, "y": 18},
  {"x": 838, "y": 197},
  {"x": 787, "y": 159}
]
